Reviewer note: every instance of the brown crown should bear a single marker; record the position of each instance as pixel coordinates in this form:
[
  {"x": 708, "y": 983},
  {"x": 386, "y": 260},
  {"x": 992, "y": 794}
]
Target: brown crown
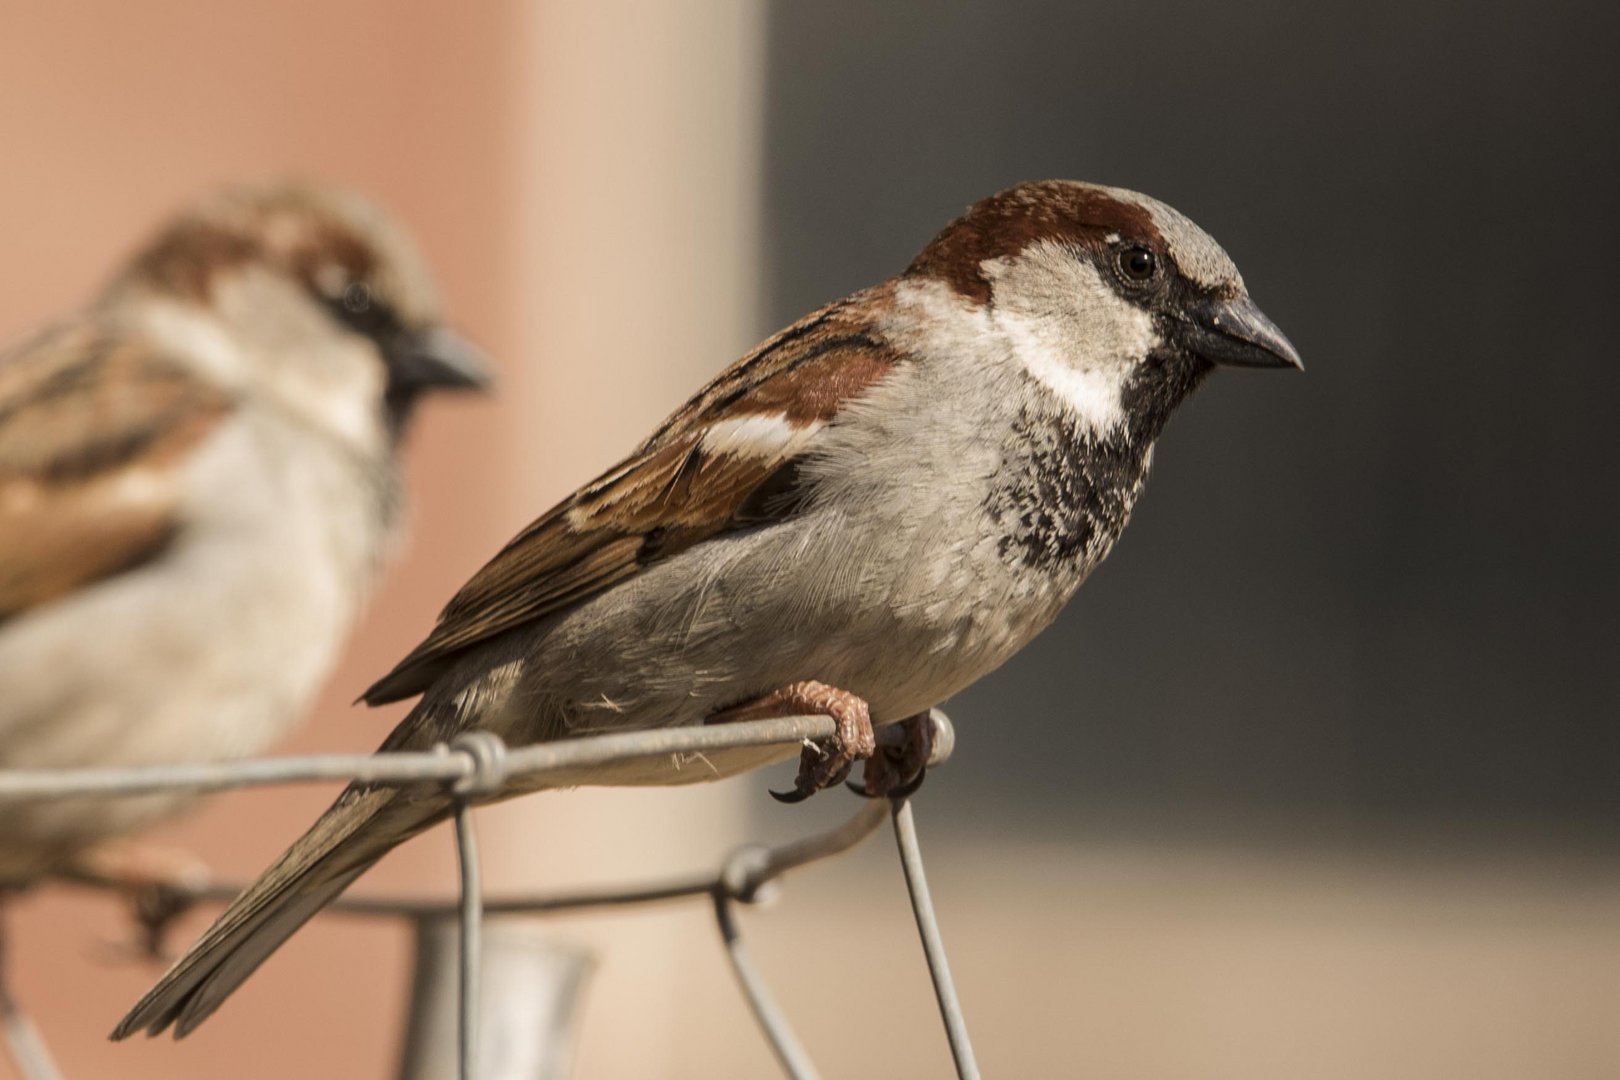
[
  {"x": 298, "y": 235},
  {"x": 1007, "y": 223}
]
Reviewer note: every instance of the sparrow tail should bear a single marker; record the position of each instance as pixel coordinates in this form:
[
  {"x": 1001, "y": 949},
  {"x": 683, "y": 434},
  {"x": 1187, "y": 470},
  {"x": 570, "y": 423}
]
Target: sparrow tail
[{"x": 360, "y": 828}]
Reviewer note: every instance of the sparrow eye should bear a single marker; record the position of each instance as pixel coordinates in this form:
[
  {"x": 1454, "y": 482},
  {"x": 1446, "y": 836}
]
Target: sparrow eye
[
  {"x": 357, "y": 298},
  {"x": 1138, "y": 264},
  {"x": 360, "y": 308}
]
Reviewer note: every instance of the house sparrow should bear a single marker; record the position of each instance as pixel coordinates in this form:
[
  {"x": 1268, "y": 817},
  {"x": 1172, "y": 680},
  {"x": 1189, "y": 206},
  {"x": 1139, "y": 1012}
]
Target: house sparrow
[
  {"x": 871, "y": 510},
  {"x": 199, "y": 479}
]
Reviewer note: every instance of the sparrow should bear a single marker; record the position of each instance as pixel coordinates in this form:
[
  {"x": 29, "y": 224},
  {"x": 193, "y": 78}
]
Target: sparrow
[
  {"x": 868, "y": 512},
  {"x": 199, "y": 482}
]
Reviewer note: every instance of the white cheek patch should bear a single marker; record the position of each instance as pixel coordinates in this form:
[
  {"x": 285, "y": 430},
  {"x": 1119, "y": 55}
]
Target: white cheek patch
[
  {"x": 760, "y": 435},
  {"x": 1092, "y": 393},
  {"x": 197, "y": 336},
  {"x": 263, "y": 335},
  {"x": 1071, "y": 331}
]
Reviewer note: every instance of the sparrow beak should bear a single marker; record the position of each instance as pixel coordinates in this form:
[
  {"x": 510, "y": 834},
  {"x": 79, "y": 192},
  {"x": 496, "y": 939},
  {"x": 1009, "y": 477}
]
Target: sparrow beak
[
  {"x": 1237, "y": 333},
  {"x": 436, "y": 358}
]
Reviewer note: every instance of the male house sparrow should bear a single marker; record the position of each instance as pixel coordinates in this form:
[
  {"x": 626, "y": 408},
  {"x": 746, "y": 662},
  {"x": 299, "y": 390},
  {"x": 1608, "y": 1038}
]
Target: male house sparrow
[
  {"x": 198, "y": 482},
  {"x": 871, "y": 510}
]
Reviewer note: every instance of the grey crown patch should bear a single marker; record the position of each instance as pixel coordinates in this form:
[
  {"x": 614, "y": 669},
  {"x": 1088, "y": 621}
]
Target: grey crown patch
[{"x": 1197, "y": 255}]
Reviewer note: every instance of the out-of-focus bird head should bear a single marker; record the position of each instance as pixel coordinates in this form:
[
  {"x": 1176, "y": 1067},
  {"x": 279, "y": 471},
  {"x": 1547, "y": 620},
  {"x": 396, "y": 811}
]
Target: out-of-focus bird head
[{"x": 309, "y": 294}]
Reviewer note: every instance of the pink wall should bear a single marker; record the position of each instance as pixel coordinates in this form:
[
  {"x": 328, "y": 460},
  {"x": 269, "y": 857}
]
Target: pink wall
[
  {"x": 111, "y": 114},
  {"x": 557, "y": 162}
]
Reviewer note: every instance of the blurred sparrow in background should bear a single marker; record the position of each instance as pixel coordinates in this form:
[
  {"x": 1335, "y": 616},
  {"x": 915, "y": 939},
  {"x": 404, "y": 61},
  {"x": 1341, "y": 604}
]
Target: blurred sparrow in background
[
  {"x": 199, "y": 482},
  {"x": 865, "y": 514}
]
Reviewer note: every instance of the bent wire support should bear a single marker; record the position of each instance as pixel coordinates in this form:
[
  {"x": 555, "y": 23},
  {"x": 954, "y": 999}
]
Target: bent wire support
[{"x": 476, "y": 765}]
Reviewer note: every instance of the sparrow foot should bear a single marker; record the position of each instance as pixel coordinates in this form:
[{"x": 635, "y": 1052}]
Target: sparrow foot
[
  {"x": 896, "y": 772},
  {"x": 158, "y": 883},
  {"x": 824, "y": 763}
]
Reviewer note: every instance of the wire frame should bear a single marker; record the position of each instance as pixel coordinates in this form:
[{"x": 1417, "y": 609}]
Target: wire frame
[{"x": 478, "y": 764}]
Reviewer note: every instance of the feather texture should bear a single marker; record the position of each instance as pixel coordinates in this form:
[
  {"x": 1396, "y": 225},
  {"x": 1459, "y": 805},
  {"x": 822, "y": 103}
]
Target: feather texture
[
  {"x": 726, "y": 460},
  {"x": 890, "y": 497},
  {"x": 94, "y": 433}
]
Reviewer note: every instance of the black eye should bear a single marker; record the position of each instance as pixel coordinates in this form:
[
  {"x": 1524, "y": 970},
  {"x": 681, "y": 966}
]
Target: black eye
[
  {"x": 361, "y": 309},
  {"x": 1138, "y": 264},
  {"x": 357, "y": 298}
]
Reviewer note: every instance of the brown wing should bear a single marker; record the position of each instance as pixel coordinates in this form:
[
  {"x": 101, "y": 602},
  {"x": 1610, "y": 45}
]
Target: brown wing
[
  {"x": 93, "y": 430},
  {"x": 708, "y": 469}
]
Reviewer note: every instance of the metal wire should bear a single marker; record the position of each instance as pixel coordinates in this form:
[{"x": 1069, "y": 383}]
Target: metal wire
[
  {"x": 744, "y": 876},
  {"x": 477, "y": 765},
  {"x": 472, "y": 921},
  {"x": 772, "y": 1021},
  {"x": 398, "y": 768},
  {"x": 939, "y": 969},
  {"x": 26, "y": 1049},
  {"x": 23, "y": 1043}
]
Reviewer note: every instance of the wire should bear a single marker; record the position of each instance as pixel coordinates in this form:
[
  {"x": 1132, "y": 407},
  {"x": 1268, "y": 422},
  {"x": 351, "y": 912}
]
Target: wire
[
  {"x": 471, "y": 953},
  {"x": 398, "y": 768},
  {"x": 939, "y": 969},
  {"x": 772, "y": 1021},
  {"x": 27, "y": 1050},
  {"x": 477, "y": 765}
]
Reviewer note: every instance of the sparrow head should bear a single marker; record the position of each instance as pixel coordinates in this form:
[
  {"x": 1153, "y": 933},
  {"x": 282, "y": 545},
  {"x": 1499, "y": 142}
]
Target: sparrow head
[
  {"x": 310, "y": 294},
  {"x": 1113, "y": 300}
]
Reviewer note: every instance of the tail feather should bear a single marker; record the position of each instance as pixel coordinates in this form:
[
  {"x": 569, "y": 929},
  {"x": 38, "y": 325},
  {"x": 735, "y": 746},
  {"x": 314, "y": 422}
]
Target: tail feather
[{"x": 360, "y": 828}]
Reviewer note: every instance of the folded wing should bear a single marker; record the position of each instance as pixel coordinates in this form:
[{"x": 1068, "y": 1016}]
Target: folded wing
[
  {"x": 727, "y": 460},
  {"x": 94, "y": 433}
]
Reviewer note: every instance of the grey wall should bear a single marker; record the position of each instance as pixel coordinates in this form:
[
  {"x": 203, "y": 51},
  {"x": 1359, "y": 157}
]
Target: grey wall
[{"x": 1381, "y": 595}]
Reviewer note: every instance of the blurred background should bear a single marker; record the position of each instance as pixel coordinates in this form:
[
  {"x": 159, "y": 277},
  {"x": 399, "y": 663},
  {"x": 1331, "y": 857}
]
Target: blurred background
[{"x": 1318, "y": 777}]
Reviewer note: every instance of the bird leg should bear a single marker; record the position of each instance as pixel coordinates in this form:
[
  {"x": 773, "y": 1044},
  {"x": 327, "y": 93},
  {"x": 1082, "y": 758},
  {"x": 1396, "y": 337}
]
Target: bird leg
[
  {"x": 158, "y": 883},
  {"x": 896, "y": 772},
  {"x": 823, "y": 763}
]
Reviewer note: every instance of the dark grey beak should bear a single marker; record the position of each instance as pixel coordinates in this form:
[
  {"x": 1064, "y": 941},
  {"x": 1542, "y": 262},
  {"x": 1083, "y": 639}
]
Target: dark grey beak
[
  {"x": 1237, "y": 333},
  {"x": 435, "y": 358}
]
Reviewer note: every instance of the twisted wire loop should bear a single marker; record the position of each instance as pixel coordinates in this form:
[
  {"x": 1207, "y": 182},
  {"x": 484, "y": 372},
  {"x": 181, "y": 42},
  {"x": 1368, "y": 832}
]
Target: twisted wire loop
[
  {"x": 476, "y": 765},
  {"x": 491, "y": 764}
]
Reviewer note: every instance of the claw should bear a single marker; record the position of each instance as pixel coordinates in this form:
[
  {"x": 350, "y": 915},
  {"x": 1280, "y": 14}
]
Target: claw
[
  {"x": 809, "y": 785},
  {"x": 909, "y": 788},
  {"x": 859, "y": 788},
  {"x": 904, "y": 791},
  {"x": 897, "y": 772},
  {"x": 825, "y": 762},
  {"x": 159, "y": 884}
]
